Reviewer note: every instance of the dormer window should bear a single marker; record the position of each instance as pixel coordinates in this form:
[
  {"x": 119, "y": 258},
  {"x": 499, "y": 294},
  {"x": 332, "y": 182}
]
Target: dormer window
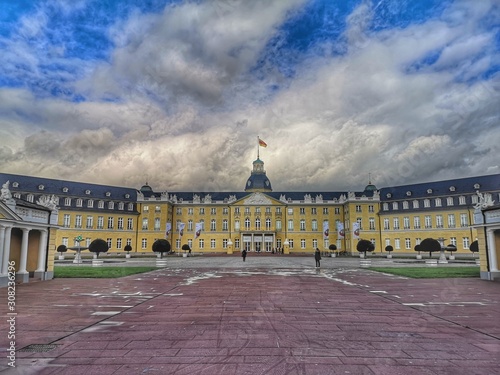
[
  {"x": 100, "y": 204},
  {"x": 452, "y": 188},
  {"x": 41, "y": 187},
  {"x": 429, "y": 191},
  {"x": 477, "y": 186},
  {"x": 127, "y": 196},
  {"x": 389, "y": 195},
  {"x": 87, "y": 192},
  {"x": 108, "y": 194},
  {"x": 65, "y": 189},
  {"x": 79, "y": 202},
  {"x": 408, "y": 193},
  {"x": 30, "y": 198},
  {"x": 15, "y": 184}
]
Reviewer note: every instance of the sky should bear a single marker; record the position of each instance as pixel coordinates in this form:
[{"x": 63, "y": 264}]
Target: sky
[{"x": 175, "y": 93}]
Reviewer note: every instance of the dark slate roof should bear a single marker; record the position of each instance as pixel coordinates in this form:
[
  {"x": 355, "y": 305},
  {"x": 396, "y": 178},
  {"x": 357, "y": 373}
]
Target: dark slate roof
[
  {"x": 75, "y": 189},
  {"x": 442, "y": 188}
]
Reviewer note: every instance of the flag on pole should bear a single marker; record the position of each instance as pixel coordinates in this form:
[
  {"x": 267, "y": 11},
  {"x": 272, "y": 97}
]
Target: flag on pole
[
  {"x": 181, "y": 228},
  {"x": 199, "y": 227},
  {"x": 326, "y": 230},
  {"x": 262, "y": 143},
  {"x": 355, "y": 230},
  {"x": 168, "y": 229},
  {"x": 340, "y": 230}
]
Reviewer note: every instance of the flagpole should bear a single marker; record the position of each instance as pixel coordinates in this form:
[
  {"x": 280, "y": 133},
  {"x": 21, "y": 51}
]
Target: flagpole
[{"x": 258, "y": 146}]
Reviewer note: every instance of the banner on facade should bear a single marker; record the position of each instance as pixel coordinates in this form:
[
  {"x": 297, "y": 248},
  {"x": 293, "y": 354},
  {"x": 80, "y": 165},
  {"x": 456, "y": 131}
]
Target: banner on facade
[
  {"x": 326, "y": 230},
  {"x": 355, "y": 230},
  {"x": 168, "y": 229},
  {"x": 181, "y": 228},
  {"x": 340, "y": 230},
  {"x": 199, "y": 227}
]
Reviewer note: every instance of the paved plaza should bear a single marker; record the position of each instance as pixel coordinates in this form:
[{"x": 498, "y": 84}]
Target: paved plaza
[{"x": 268, "y": 315}]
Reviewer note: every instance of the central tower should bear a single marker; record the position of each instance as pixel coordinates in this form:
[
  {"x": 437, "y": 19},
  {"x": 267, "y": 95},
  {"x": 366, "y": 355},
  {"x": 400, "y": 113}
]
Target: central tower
[{"x": 258, "y": 181}]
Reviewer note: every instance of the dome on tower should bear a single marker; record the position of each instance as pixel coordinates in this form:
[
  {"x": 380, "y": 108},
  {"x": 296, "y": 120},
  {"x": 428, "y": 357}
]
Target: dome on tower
[
  {"x": 258, "y": 180},
  {"x": 146, "y": 188}
]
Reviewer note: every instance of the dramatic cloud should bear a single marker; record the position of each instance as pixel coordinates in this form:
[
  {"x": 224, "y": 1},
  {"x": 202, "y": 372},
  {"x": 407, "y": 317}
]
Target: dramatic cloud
[{"x": 176, "y": 93}]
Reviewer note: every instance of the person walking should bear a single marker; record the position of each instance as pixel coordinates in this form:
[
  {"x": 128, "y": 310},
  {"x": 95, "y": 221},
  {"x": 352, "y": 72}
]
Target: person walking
[
  {"x": 244, "y": 254},
  {"x": 317, "y": 256}
]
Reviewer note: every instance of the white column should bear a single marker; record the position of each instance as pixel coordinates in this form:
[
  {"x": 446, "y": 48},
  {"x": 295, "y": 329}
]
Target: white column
[
  {"x": 24, "y": 252},
  {"x": 492, "y": 250},
  {"x": 6, "y": 250},
  {"x": 42, "y": 248},
  {"x": 2, "y": 246}
]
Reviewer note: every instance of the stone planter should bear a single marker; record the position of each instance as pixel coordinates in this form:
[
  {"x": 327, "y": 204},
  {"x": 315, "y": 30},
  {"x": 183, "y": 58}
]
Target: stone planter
[
  {"x": 419, "y": 256},
  {"x": 127, "y": 255},
  {"x": 60, "y": 257},
  {"x": 97, "y": 263},
  {"x": 389, "y": 256},
  {"x": 184, "y": 255}
]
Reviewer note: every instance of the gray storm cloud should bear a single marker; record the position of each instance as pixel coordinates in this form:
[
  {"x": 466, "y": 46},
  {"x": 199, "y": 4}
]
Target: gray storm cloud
[{"x": 176, "y": 105}]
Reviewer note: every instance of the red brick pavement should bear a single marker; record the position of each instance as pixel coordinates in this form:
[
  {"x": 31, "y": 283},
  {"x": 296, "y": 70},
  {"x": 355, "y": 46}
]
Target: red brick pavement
[{"x": 297, "y": 321}]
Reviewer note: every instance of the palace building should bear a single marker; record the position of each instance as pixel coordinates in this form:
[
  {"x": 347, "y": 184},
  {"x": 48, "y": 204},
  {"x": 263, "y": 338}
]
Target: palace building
[{"x": 39, "y": 214}]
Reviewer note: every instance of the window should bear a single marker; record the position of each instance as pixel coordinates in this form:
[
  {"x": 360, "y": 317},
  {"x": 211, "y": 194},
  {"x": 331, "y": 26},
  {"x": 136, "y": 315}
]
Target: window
[
  {"x": 315, "y": 243},
  {"x": 120, "y": 223},
  {"x": 397, "y": 244},
  {"x": 415, "y": 204},
  {"x": 465, "y": 242},
  {"x": 290, "y": 211},
  {"x": 428, "y": 221},
  {"x": 78, "y": 221},
  {"x": 394, "y": 205},
  {"x": 290, "y": 224},
  {"x": 145, "y": 208},
  {"x": 337, "y": 210},
  {"x": 405, "y": 205},
  {"x": 247, "y": 223},
  {"x": 90, "y": 222},
  {"x": 130, "y": 224},
  {"x": 131, "y": 207},
  {"x": 461, "y": 200},
  {"x": 236, "y": 225},
  {"x": 385, "y": 207},
  {"x": 325, "y": 210},
  {"x": 449, "y": 201},
  {"x": 237, "y": 243},
  {"x": 111, "y": 205},
  {"x": 247, "y": 210},
  {"x": 109, "y": 241},
  {"x": 396, "y": 223},
  {"x": 475, "y": 199},
  {"x": 100, "y": 204},
  {"x": 418, "y": 240},
  {"x": 278, "y": 225},
  {"x": 313, "y": 211},
  {"x": 387, "y": 242},
  {"x": 90, "y": 203},
  {"x": 439, "y": 221},
  {"x": 144, "y": 243},
  {"x": 213, "y": 225},
  {"x": 67, "y": 201},
  {"x": 268, "y": 224},
  {"x": 302, "y": 211},
  {"x": 406, "y": 222},
  {"x": 407, "y": 243},
  {"x": 157, "y": 223},
  {"x": 290, "y": 243},
  {"x": 358, "y": 208},
  {"x": 451, "y": 221},
  {"x": 66, "y": 222},
  {"x": 145, "y": 223},
  {"x": 100, "y": 222},
  {"x": 464, "y": 220},
  {"x": 437, "y": 202},
  {"x": 201, "y": 243},
  {"x": 212, "y": 243},
  {"x": 427, "y": 203},
  {"x": 129, "y": 241},
  {"x": 121, "y": 206},
  {"x": 302, "y": 243},
  {"x": 213, "y": 211},
  {"x": 178, "y": 211},
  {"x": 202, "y": 211},
  {"x": 416, "y": 222},
  {"x": 386, "y": 224},
  {"x": 314, "y": 225},
  {"x": 178, "y": 243},
  {"x": 236, "y": 210},
  {"x": 359, "y": 221},
  {"x": 302, "y": 225},
  {"x": 225, "y": 211},
  {"x": 79, "y": 202},
  {"x": 224, "y": 225},
  {"x": 453, "y": 241},
  {"x": 118, "y": 243},
  {"x": 157, "y": 209},
  {"x": 257, "y": 210},
  {"x": 189, "y": 225},
  {"x": 371, "y": 208},
  {"x": 268, "y": 210},
  {"x": 65, "y": 241},
  {"x": 224, "y": 243},
  {"x": 278, "y": 210},
  {"x": 257, "y": 224}
]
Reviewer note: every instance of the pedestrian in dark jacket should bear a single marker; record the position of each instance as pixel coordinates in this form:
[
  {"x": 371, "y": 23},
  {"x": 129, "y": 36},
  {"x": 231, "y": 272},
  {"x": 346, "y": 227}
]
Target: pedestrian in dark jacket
[
  {"x": 317, "y": 256},
  {"x": 244, "y": 254}
]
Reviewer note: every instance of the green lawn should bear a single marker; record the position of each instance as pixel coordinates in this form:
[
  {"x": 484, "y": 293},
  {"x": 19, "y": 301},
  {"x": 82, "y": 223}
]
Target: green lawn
[
  {"x": 430, "y": 272},
  {"x": 98, "y": 272}
]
